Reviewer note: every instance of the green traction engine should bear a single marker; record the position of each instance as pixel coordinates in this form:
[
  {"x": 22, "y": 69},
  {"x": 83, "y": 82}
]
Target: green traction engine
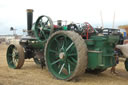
[{"x": 67, "y": 51}]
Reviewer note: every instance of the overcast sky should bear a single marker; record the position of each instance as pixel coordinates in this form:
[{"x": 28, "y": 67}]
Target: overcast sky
[{"x": 13, "y": 12}]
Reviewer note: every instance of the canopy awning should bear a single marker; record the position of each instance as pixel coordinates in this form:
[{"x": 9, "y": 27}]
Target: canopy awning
[{"x": 123, "y": 27}]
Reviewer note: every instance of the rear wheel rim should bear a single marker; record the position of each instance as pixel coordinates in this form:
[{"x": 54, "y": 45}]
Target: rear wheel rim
[{"x": 61, "y": 56}]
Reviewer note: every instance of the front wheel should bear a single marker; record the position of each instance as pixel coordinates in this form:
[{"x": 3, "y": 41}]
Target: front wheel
[
  {"x": 15, "y": 56},
  {"x": 66, "y": 55}
]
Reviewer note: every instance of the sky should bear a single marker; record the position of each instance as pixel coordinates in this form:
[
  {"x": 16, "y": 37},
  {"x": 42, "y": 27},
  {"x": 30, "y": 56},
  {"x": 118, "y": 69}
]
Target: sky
[{"x": 13, "y": 12}]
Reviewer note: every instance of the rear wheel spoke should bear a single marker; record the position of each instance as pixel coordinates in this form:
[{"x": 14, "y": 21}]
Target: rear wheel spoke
[
  {"x": 53, "y": 51},
  {"x": 72, "y": 54},
  {"x": 62, "y": 47},
  {"x": 69, "y": 46},
  {"x": 71, "y": 63},
  {"x": 61, "y": 68},
  {"x": 58, "y": 44},
  {"x": 69, "y": 69},
  {"x": 65, "y": 41},
  {"x": 74, "y": 60},
  {"x": 57, "y": 41},
  {"x": 55, "y": 61}
]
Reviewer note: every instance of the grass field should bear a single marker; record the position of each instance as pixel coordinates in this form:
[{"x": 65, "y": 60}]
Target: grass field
[{"x": 31, "y": 74}]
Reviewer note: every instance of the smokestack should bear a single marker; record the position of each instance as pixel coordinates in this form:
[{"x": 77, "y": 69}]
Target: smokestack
[{"x": 29, "y": 20}]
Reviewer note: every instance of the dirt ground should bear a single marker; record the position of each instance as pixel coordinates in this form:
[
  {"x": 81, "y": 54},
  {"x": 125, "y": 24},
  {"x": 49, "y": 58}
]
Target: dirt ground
[{"x": 31, "y": 74}]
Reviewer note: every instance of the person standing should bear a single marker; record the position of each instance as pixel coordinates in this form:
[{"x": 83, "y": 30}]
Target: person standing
[{"x": 113, "y": 69}]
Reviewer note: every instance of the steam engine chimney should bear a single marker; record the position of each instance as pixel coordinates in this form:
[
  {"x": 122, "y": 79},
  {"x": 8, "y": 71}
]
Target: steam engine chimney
[{"x": 29, "y": 20}]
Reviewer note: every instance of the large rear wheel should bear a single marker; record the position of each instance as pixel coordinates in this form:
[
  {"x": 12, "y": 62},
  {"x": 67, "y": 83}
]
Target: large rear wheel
[
  {"x": 126, "y": 64},
  {"x": 66, "y": 55},
  {"x": 15, "y": 56}
]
